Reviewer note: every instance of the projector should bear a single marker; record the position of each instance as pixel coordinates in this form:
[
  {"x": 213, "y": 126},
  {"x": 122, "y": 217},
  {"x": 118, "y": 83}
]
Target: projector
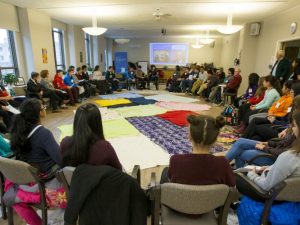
[{"x": 163, "y": 31}]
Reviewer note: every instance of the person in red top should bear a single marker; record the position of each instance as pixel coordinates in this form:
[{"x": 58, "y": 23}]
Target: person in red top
[
  {"x": 201, "y": 167},
  {"x": 87, "y": 145},
  {"x": 235, "y": 82},
  {"x": 58, "y": 83}
]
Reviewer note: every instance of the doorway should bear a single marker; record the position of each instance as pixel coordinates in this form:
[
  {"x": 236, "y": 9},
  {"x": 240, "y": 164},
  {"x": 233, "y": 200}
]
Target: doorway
[{"x": 292, "y": 49}]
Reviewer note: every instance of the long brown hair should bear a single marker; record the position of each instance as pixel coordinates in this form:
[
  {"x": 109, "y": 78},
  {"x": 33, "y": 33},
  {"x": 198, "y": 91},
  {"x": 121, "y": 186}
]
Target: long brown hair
[{"x": 296, "y": 119}]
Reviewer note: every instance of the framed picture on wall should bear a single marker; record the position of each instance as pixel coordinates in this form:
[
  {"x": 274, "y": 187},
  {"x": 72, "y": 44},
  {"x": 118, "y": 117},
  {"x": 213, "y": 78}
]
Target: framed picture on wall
[{"x": 44, "y": 55}]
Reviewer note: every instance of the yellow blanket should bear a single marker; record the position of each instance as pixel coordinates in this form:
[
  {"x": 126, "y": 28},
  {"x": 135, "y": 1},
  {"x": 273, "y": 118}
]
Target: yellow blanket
[{"x": 111, "y": 102}]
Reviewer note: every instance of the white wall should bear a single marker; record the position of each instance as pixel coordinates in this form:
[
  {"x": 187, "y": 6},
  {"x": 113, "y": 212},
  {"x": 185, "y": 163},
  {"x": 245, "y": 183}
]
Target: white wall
[
  {"x": 76, "y": 45},
  {"x": 275, "y": 29},
  {"x": 138, "y": 50},
  {"x": 229, "y": 50},
  {"x": 8, "y": 17}
]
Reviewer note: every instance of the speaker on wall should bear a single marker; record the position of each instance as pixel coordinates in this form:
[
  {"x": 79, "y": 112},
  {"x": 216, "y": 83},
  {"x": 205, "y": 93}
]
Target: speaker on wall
[{"x": 254, "y": 29}]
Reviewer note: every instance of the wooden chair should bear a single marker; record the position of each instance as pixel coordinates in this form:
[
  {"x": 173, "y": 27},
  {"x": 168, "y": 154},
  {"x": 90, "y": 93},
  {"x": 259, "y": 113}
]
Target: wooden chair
[
  {"x": 22, "y": 173},
  {"x": 170, "y": 202},
  {"x": 288, "y": 190}
]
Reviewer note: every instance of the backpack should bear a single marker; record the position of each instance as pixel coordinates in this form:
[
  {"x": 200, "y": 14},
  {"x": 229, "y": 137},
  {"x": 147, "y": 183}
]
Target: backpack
[{"x": 230, "y": 114}]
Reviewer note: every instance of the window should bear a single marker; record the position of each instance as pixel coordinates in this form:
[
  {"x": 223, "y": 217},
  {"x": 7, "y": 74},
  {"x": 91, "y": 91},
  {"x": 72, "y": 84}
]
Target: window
[
  {"x": 87, "y": 49},
  {"x": 8, "y": 59},
  {"x": 58, "y": 42}
]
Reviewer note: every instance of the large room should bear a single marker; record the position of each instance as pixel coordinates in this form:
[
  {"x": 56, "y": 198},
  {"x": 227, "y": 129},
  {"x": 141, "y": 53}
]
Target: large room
[{"x": 149, "y": 112}]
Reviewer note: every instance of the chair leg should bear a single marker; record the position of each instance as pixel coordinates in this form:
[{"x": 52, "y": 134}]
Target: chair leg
[
  {"x": 44, "y": 216},
  {"x": 3, "y": 211},
  {"x": 10, "y": 216}
]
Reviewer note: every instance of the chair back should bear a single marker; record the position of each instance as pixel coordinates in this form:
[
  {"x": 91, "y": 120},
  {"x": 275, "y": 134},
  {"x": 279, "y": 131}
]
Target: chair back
[
  {"x": 192, "y": 199},
  {"x": 291, "y": 192},
  {"x": 17, "y": 171},
  {"x": 19, "y": 90}
]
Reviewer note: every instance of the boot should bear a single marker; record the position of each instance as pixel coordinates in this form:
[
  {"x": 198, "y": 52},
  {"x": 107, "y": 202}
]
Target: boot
[{"x": 240, "y": 130}]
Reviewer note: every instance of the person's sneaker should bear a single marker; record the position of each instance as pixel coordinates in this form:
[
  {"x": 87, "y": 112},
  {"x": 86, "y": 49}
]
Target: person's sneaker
[
  {"x": 56, "y": 111},
  {"x": 63, "y": 106}
]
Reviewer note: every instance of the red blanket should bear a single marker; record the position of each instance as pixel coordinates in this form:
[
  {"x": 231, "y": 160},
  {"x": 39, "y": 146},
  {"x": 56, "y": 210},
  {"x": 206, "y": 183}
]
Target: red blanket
[{"x": 177, "y": 117}]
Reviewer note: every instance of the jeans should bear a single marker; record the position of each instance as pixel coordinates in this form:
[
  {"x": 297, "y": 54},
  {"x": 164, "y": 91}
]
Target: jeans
[{"x": 244, "y": 150}]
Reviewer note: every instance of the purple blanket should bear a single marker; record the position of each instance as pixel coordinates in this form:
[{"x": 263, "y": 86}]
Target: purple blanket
[{"x": 170, "y": 137}]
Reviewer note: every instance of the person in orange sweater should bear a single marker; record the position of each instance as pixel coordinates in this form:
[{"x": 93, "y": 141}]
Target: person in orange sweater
[
  {"x": 279, "y": 109},
  {"x": 58, "y": 83}
]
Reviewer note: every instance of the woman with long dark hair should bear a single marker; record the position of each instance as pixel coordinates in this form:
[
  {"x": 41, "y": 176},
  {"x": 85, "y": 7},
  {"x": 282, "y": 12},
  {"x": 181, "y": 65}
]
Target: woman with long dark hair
[
  {"x": 34, "y": 144},
  {"x": 296, "y": 70},
  {"x": 87, "y": 145}
]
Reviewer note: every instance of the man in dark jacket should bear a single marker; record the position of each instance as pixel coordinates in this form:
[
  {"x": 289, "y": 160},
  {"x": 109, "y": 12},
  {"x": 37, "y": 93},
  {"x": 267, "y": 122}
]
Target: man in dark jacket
[
  {"x": 108, "y": 196},
  {"x": 281, "y": 68}
]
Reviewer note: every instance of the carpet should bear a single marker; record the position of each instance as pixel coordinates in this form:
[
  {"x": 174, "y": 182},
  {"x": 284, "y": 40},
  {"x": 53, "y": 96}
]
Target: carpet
[
  {"x": 184, "y": 106},
  {"x": 120, "y": 95},
  {"x": 141, "y": 110},
  {"x": 177, "y": 117},
  {"x": 112, "y": 102},
  {"x": 108, "y": 114},
  {"x": 112, "y": 129},
  {"x": 171, "y": 98},
  {"x": 139, "y": 150},
  {"x": 172, "y": 138}
]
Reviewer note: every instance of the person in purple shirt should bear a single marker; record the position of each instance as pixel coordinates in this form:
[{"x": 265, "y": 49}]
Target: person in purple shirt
[
  {"x": 251, "y": 90},
  {"x": 87, "y": 145}
]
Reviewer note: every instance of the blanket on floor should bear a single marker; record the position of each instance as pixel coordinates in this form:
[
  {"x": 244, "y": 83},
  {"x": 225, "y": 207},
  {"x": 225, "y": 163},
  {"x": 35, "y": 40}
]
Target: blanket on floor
[
  {"x": 177, "y": 117},
  {"x": 172, "y": 138},
  {"x": 171, "y": 98},
  {"x": 139, "y": 150},
  {"x": 184, "y": 106},
  {"x": 109, "y": 102},
  {"x": 142, "y": 101},
  {"x": 141, "y": 110},
  {"x": 120, "y": 95},
  {"x": 112, "y": 129}
]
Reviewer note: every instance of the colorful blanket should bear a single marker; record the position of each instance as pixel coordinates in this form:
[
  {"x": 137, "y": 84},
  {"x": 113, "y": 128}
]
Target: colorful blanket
[
  {"x": 108, "y": 114},
  {"x": 172, "y": 138},
  {"x": 112, "y": 129},
  {"x": 141, "y": 110},
  {"x": 177, "y": 117},
  {"x": 108, "y": 102},
  {"x": 184, "y": 106},
  {"x": 142, "y": 101},
  {"x": 171, "y": 98},
  {"x": 120, "y": 95}
]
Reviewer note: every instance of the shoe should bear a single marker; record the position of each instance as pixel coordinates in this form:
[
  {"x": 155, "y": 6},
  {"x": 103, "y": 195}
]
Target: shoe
[
  {"x": 238, "y": 126},
  {"x": 240, "y": 130},
  {"x": 63, "y": 106},
  {"x": 56, "y": 111}
]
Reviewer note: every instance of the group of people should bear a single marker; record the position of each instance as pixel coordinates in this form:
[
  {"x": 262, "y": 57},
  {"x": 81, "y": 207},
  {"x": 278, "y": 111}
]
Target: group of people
[{"x": 264, "y": 104}]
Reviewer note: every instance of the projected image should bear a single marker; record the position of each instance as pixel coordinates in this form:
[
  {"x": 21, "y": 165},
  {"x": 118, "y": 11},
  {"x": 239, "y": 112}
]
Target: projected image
[{"x": 168, "y": 53}]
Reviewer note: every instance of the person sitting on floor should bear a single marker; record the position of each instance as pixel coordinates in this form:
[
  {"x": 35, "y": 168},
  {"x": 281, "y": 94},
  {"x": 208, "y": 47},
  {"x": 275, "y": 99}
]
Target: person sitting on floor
[
  {"x": 72, "y": 92},
  {"x": 35, "y": 145},
  {"x": 192, "y": 168},
  {"x": 272, "y": 94},
  {"x": 87, "y": 145}
]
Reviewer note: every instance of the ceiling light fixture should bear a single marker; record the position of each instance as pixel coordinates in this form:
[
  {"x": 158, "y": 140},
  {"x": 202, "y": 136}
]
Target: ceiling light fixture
[
  {"x": 197, "y": 45},
  {"x": 229, "y": 28},
  {"x": 94, "y": 30},
  {"x": 122, "y": 41},
  {"x": 207, "y": 40}
]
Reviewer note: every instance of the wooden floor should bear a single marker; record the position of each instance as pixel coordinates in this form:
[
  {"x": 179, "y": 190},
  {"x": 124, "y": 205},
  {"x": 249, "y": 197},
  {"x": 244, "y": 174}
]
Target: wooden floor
[{"x": 54, "y": 120}]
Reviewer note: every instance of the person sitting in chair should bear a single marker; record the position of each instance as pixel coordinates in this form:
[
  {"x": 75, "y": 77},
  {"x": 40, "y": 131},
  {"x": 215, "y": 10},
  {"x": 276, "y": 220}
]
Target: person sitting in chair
[{"x": 111, "y": 78}]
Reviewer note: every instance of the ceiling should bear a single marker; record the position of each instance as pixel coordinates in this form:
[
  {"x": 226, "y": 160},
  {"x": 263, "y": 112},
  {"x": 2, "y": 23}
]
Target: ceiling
[{"x": 133, "y": 18}]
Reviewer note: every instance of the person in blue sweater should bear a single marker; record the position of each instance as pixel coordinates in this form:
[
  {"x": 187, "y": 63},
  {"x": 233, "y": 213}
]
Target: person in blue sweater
[{"x": 69, "y": 81}]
